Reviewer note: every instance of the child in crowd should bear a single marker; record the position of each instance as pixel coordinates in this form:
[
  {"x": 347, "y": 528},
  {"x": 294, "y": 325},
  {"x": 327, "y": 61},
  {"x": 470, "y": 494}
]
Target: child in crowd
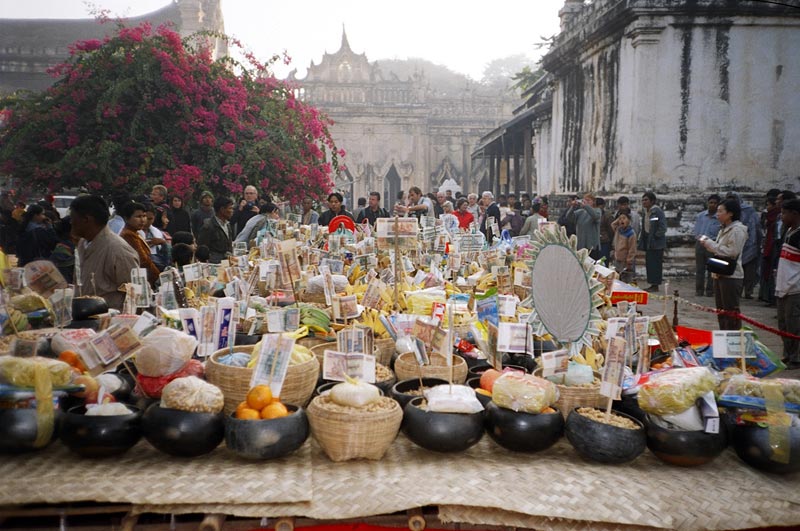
[{"x": 624, "y": 247}]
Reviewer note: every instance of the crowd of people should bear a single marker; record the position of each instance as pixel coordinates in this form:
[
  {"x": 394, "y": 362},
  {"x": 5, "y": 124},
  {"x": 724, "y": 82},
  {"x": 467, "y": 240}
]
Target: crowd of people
[{"x": 156, "y": 231}]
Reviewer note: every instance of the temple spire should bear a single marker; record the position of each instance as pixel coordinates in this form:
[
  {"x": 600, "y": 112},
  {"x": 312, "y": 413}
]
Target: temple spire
[{"x": 345, "y": 45}]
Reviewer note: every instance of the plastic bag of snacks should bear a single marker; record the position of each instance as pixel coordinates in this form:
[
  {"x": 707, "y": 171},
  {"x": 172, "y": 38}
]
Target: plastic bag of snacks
[
  {"x": 523, "y": 392},
  {"x": 676, "y": 390},
  {"x": 164, "y": 351},
  {"x": 21, "y": 371},
  {"x": 452, "y": 399},
  {"x": 192, "y": 394},
  {"x": 741, "y": 385}
]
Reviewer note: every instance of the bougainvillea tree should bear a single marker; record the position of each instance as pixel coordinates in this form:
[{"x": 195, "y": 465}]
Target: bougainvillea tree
[{"x": 144, "y": 107}]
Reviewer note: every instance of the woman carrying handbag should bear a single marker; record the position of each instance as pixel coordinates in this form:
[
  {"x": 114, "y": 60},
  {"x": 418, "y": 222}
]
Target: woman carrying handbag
[{"x": 727, "y": 251}]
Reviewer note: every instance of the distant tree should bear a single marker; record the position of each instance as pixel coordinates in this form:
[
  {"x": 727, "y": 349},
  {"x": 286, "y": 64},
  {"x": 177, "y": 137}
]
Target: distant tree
[
  {"x": 525, "y": 78},
  {"x": 498, "y": 72},
  {"x": 144, "y": 107}
]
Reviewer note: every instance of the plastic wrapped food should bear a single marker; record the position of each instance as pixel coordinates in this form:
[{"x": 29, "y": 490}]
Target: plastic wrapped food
[
  {"x": 237, "y": 359},
  {"x": 71, "y": 339},
  {"x": 164, "y": 351},
  {"x": 452, "y": 399},
  {"x": 108, "y": 410},
  {"x": 21, "y": 371},
  {"x": 676, "y": 390},
  {"x": 523, "y": 392},
  {"x": 741, "y": 385},
  {"x": 192, "y": 394},
  {"x": 153, "y": 385}
]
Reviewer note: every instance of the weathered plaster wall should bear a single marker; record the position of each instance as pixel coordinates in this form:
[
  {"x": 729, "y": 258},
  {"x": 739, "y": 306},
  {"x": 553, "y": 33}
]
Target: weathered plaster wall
[{"x": 677, "y": 104}]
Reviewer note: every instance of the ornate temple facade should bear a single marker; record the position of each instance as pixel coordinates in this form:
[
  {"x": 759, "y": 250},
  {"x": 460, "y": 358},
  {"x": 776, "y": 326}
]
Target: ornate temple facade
[
  {"x": 399, "y": 133},
  {"x": 29, "y": 47}
]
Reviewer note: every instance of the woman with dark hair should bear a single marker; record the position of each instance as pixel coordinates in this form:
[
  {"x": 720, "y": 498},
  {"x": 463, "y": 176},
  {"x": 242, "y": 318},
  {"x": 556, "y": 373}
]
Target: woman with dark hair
[
  {"x": 729, "y": 244},
  {"x": 179, "y": 218},
  {"x": 135, "y": 216},
  {"x": 63, "y": 255},
  {"x": 37, "y": 237},
  {"x": 335, "y": 208}
]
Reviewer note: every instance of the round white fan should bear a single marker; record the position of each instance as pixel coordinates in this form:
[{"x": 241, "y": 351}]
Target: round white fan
[{"x": 564, "y": 295}]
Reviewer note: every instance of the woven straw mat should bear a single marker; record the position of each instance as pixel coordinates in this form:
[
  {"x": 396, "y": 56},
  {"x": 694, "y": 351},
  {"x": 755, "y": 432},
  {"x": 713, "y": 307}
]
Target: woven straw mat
[
  {"x": 553, "y": 489},
  {"x": 144, "y": 475}
]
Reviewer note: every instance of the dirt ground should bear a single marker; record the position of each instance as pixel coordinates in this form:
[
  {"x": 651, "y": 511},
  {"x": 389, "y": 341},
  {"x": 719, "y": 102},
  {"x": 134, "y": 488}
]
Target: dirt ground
[{"x": 695, "y": 318}]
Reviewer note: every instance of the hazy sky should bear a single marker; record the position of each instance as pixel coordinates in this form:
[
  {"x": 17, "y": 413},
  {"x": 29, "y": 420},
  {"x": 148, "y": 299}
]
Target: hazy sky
[{"x": 463, "y": 35}]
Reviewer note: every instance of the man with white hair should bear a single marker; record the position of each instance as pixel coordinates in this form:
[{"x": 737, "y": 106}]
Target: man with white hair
[
  {"x": 248, "y": 207},
  {"x": 492, "y": 215}
]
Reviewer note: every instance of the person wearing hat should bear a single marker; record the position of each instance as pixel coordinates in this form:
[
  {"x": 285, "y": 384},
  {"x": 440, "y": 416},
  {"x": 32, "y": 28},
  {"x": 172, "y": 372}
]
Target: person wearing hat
[{"x": 204, "y": 211}]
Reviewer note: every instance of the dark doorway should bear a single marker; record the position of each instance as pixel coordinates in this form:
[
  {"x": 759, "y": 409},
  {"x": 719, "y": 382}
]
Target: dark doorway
[{"x": 391, "y": 187}]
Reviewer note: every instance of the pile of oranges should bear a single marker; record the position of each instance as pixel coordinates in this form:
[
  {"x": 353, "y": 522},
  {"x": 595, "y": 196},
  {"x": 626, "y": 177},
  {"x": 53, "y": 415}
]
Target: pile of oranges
[{"x": 260, "y": 404}]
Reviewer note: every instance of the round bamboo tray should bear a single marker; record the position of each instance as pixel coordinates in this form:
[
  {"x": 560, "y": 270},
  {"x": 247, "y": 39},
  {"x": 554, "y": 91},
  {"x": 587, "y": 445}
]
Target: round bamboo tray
[
  {"x": 354, "y": 434},
  {"x": 406, "y": 367},
  {"x": 570, "y": 397},
  {"x": 235, "y": 381}
]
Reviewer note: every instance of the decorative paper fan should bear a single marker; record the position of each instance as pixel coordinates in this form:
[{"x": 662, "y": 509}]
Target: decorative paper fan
[{"x": 564, "y": 296}]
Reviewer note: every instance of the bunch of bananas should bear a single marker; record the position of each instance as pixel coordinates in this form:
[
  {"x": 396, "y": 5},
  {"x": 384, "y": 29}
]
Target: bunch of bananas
[
  {"x": 17, "y": 321},
  {"x": 371, "y": 318},
  {"x": 317, "y": 320},
  {"x": 589, "y": 357},
  {"x": 356, "y": 273},
  {"x": 485, "y": 282}
]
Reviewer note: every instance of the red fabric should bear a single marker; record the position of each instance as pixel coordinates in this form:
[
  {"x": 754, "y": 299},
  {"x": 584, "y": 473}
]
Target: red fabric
[{"x": 153, "y": 385}]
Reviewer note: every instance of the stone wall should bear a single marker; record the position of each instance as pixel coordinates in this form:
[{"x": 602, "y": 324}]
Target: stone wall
[{"x": 673, "y": 97}]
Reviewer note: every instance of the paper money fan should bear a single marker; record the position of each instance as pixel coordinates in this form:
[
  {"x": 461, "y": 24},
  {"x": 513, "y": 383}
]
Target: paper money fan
[{"x": 564, "y": 296}]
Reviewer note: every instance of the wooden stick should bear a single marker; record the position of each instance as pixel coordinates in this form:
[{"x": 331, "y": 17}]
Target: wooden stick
[
  {"x": 608, "y": 408},
  {"x": 742, "y": 351}
]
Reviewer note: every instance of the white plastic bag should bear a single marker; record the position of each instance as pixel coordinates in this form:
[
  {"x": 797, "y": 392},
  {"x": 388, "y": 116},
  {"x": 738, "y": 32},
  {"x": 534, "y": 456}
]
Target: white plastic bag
[
  {"x": 452, "y": 399},
  {"x": 164, "y": 351}
]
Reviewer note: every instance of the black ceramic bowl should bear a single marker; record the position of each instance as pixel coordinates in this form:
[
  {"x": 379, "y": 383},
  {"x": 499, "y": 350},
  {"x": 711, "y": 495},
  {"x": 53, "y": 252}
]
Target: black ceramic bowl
[
  {"x": 523, "y": 361},
  {"x": 475, "y": 383},
  {"x": 399, "y": 391},
  {"x": 18, "y": 429},
  {"x": 183, "y": 433},
  {"x": 100, "y": 436},
  {"x": 479, "y": 364},
  {"x": 523, "y": 432},
  {"x": 629, "y": 405},
  {"x": 244, "y": 339},
  {"x": 685, "y": 448},
  {"x": 752, "y": 445},
  {"x": 441, "y": 432},
  {"x": 603, "y": 442},
  {"x": 85, "y": 307},
  {"x": 478, "y": 370},
  {"x": 267, "y": 439}
]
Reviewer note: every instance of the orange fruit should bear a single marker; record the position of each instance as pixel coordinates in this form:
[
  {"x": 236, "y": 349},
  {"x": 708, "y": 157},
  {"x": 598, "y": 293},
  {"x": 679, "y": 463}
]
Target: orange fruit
[
  {"x": 242, "y": 405},
  {"x": 275, "y": 410},
  {"x": 73, "y": 359},
  {"x": 259, "y": 397},
  {"x": 482, "y": 392},
  {"x": 247, "y": 414}
]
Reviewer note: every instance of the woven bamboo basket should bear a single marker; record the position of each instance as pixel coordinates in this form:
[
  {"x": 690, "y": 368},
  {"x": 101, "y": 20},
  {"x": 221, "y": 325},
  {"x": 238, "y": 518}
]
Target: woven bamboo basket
[
  {"x": 311, "y": 341},
  {"x": 235, "y": 381},
  {"x": 354, "y": 434},
  {"x": 570, "y": 397},
  {"x": 304, "y": 296},
  {"x": 319, "y": 350},
  {"x": 384, "y": 350},
  {"x": 406, "y": 366}
]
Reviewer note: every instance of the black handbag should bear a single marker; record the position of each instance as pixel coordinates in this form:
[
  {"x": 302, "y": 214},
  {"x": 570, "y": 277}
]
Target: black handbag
[{"x": 721, "y": 265}]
